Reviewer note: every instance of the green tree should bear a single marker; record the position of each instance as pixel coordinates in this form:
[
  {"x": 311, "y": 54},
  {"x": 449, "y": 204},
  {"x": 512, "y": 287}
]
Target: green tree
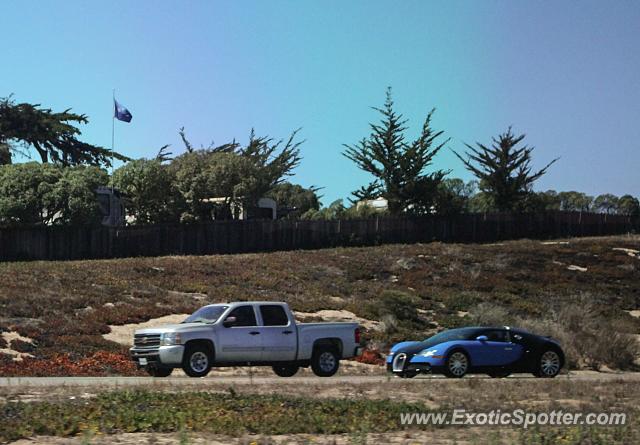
[
  {"x": 38, "y": 194},
  {"x": 366, "y": 193},
  {"x": 238, "y": 175},
  {"x": 75, "y": 193},
  {"x": 575, "y": 201},
  {"x": 5, "y": 153},
  {"x": 53, "y": 135},
  {"x": 26, "y": 193},
  {"x": 606, "y": 203},
  {"x": 629, "y": 205},
  {"x": 335, "y": 210},
  {"x": 504, "y": 170},
  {"x": 294, "y": 198},
  {"x": 454, "y": 196},
  {"x": 203, "y": 176},
  {"x": 542, "y": 202},
  {"x": 150, "y": 190},
  {"x": 274, "y": 160},
  {"x": 398, "y": 165},
  {"x": 481, "y": 202}
]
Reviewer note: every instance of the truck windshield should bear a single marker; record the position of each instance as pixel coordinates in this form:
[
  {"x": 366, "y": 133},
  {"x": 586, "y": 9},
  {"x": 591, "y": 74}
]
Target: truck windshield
[{"x": 207, "y": 314}]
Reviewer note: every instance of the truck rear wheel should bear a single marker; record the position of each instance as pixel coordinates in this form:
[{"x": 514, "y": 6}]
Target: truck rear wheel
[
  {"x": 325, "y": 362},
  {"x": 197, "y": 360},
  {"x": 285, "y": 370}
]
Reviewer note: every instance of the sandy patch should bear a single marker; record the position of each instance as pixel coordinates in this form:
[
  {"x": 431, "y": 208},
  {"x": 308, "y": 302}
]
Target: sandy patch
[
  {"x": 341, "y": 315},
  {"x": 576, "y": 268},
  {"x": 635, "y": 313},
  {"x": 631, "y": 252},
  {"x": 554, "y": 243},
  {"x": 123, "y": 334},
  {"x": 15, "y": 355}
]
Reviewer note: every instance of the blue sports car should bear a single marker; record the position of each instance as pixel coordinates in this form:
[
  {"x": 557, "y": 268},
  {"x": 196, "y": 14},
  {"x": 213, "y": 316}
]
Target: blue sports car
[{"x": 496, "y": 351}]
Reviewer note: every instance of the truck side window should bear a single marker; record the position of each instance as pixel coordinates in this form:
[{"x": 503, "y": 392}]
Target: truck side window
[
  {"x": 245, "y": 316},
  {"x": 274, "y": 315}
]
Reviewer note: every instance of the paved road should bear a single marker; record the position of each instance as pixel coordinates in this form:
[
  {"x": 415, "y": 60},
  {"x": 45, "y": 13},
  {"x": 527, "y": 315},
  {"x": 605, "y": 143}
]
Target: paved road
[{"x": 9, "y": 382}]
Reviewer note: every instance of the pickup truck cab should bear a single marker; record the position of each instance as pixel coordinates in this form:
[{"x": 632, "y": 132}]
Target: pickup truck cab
[{"x": 262, "y": 333}]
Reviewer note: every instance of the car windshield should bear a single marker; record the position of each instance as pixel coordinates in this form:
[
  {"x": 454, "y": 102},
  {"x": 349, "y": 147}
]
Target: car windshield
[
  {"x": 207, "y": 314},
  {"x": 452, "y": 335}
]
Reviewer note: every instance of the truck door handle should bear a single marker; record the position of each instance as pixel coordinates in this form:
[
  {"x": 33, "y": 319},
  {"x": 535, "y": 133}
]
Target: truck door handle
[
  {"x": 254, "y": 333},
  {"x": 287, "y": 332},
  {"x": 508, "y": 349}
]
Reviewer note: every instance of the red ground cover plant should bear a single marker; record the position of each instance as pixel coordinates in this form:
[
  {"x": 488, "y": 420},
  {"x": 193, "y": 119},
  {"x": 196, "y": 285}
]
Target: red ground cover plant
[
  {"x": 98, "y": 364},
  {"x": 371, "y": 357}
]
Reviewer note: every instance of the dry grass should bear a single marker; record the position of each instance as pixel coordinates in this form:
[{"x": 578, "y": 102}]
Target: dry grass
[
  {"x": 65, "y": 307},
  {"x": 598, "y": 395}
]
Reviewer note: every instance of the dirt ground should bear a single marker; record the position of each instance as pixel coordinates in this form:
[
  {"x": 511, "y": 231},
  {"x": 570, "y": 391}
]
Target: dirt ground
[{"x": 463, "y": 436}]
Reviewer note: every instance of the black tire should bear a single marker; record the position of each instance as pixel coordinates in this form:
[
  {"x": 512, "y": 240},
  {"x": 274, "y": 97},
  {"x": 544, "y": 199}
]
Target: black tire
[
  {"x": 197, "y": 360},
  {"x": 325, "y": 362},
  {"x": 457, "y": 364},
  {"x": 285, "y": 370},
  {"x": 548, "y": 364},
  {"x": 154, "y": 371},
  {"x": 407, "y": 374}
]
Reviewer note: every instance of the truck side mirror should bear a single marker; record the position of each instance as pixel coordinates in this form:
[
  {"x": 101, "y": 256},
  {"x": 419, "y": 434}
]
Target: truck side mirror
[
  {"x": 482, "y": 338},
  {"x": 229, "y": 321}
]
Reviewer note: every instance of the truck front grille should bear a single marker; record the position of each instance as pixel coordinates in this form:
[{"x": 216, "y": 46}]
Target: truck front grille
[
  {"x": 398, "y": 362},
  {"x": 146, "y": 340}
]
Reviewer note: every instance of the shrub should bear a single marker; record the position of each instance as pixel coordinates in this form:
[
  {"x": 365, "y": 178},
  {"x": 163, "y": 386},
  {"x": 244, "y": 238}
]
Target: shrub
[{"x": 488, "y": 314}]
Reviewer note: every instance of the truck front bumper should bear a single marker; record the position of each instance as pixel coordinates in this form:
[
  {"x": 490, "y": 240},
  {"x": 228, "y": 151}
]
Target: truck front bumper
[{"x": 161, "y": 356}]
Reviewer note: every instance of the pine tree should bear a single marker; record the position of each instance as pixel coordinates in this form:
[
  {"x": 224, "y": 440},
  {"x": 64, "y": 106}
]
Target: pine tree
[
  {"x": 398, "y": 165},
  {"x": 503, "y": 170},
  {"x": 54, "y": 136}
]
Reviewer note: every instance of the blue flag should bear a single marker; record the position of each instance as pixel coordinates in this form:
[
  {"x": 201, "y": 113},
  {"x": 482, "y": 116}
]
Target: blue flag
[{"x": 121, "y": 113}]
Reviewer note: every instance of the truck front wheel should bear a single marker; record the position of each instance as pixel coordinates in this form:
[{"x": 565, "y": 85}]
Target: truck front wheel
[
  {"x": 285, "y": 370},
  {"x": 197, "y": 360},
  {"x": 325, "y": 362}
]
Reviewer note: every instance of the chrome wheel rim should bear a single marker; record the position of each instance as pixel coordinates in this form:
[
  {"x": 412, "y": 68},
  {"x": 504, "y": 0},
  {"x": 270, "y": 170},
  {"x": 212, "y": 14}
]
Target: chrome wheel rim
[
  {"x": 327, "y": 361},
  {"x": 550, "y": 363},
  {"x": 199, "y": 361},
  {"x": 458, "y": 364}
]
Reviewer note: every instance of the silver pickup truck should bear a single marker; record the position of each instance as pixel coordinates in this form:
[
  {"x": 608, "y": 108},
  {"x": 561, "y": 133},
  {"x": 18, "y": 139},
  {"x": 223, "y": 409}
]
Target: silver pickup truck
[{"x": 262, "y": 333}]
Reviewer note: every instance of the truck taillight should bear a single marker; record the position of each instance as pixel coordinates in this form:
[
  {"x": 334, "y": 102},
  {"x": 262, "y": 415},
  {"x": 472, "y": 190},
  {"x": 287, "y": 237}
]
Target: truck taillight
[{"x": 357, "y": 336}]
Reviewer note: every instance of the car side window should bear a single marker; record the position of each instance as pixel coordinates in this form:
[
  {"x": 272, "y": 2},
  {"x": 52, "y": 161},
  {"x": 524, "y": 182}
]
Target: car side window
[
  {"x": 273, "y": 315},
  {"x": 496, "y": 335},
  {"x": 245, "y": 316}
]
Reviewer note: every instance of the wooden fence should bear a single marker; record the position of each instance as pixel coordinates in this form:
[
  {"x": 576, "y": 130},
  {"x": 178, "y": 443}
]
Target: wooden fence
[{"x": 70, "y": 243}]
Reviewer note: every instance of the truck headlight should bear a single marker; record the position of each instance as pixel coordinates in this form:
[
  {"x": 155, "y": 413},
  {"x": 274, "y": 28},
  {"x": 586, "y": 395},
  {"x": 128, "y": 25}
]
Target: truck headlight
[
  {"x": 170, "y": 339},
  {"x": 428, "y": 353}
]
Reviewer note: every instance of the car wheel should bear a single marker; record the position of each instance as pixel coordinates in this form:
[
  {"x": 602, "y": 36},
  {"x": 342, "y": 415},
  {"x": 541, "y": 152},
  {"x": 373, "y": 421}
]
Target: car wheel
[
  {"x": 325, "y": 362},
  {"x": 549, "y": 364},
  {"x": 499, "y": 375},
  {"x": 197, "y": 361},
  {"x": 457, "y": 364},
  {"x": 159, "y": 372},
  {"x": 407, "y": 374},
  {"x": 285, "y": 370}
]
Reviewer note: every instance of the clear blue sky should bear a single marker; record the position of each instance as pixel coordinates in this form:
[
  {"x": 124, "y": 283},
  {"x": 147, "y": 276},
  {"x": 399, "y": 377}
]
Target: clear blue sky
[{"x": 565, "y": 73}]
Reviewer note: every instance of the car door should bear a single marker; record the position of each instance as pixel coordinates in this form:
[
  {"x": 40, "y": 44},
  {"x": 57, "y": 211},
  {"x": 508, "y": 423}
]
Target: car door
[
  {"x": 279, "y": 340},
  {"x": 496, "y": 350},
  {"x": 240, "y": 341}
]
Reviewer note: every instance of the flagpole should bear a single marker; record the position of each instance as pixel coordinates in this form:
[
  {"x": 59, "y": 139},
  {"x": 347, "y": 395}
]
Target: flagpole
[{"x": 113, "y": 133}]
